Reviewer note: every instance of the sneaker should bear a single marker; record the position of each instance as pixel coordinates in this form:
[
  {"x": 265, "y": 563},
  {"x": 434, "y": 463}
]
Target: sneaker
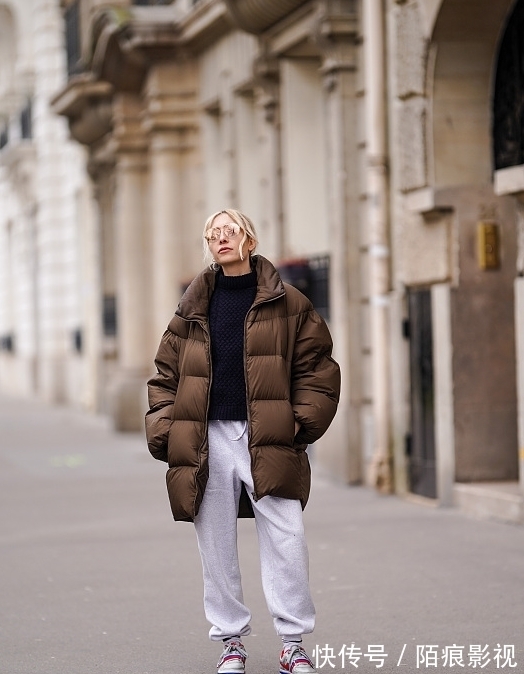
[
  {"x": 294, "y": 660},
  {"x": 233, "y": 659}
]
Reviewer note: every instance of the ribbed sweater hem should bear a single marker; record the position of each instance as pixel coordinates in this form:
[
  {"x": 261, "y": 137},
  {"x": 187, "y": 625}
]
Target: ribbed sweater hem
[{"x": 227, "y": 412}]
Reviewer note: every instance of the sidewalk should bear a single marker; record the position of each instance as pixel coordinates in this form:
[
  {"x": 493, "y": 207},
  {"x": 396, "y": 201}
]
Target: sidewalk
[{"x": 95, "y": 576}]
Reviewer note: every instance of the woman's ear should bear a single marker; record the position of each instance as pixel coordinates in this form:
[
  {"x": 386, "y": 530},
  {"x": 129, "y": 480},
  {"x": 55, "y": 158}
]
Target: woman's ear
[{"x": 251, "y": 245}]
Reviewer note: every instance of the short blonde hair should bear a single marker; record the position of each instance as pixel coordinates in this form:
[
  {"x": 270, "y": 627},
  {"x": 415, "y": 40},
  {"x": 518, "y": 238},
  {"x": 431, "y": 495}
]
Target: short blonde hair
[{"x": 245, "y": 224}]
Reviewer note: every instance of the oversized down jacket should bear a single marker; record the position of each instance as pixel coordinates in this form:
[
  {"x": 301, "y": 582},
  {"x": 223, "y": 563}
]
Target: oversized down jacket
[{"x": 289, "y": 375}]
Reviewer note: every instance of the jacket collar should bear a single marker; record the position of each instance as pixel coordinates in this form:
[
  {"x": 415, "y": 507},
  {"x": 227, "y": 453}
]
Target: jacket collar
[{"x": 195, "y": 302}]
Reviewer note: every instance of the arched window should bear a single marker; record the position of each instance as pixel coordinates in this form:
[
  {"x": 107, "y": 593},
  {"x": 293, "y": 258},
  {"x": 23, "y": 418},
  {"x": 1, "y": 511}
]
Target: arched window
[{"x": 508, "y": 95}]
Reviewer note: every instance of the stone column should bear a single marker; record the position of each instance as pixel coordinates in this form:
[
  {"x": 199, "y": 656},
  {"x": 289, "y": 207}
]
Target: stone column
[
  {"x": 377, "y": 223},
  {"x": 171, "y": 122},
  {"x": 339, "y": 79},
  {"x": 55, "y": 228},
  {"x": 101, "y": 168},
  {"x": 268, "y": 128},
  {"x": 443, "y": 387},
  {"x": 128, "y": 392},
  {"x": 91, "y": 301}
]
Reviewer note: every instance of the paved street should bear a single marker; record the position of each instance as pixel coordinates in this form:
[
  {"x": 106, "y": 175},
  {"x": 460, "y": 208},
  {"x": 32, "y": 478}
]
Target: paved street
[{"x": 95, "y": 576}]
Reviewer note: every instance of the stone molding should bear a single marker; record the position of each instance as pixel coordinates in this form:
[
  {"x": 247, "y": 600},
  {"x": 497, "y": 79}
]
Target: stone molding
[
  {"x": 428, "y": 251},
  {"x": 313, "y": 28},
  {"x": 205, "y": 24},
  {"x": 171, "y": 99},
  {"x": 266, "y": 85},
  {"x": 128, "y": 134},
  {"x": 411, "y": 144},
  {"x": 410, "y": 90},
  {"x": 176, "y": 112},
  {"x": 256, "y": 16},
  {"x": 336, "y": 35},
  {"x": 428, "y": 202},
  {"x": 412, "y": 49},
  {"x": 509, "y": 181}
]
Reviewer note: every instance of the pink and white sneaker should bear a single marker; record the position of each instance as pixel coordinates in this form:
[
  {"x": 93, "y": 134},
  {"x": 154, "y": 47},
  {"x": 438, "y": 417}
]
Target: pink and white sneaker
[
  {"x": 233, "y": 659},
  {"x": 295, "y": 660}
]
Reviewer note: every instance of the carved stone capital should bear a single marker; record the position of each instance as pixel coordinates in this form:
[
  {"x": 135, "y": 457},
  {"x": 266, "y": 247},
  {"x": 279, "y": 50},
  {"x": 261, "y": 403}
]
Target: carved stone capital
[
  {"x": 337, "y": 21},
  {"x": 333, "y": 66},
  {"x": 266, "y": 78},
  {"x": 171, "y": 99},
  {"x": 128, "y": 133},
  {"x": 266, "y": 68},
  {"x": 336, "y": 36},
  {"x": 101, "y": 165}
]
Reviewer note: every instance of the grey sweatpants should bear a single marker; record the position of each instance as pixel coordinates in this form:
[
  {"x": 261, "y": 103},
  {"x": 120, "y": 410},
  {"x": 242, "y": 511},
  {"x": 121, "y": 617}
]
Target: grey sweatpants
[{"x": 282, "y": 545}]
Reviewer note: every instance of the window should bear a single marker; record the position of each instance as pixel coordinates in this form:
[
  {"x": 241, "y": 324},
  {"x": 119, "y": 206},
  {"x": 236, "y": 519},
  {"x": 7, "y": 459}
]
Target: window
[
  {"x": 73, "y": 47},
  {"x": 4, "y": 136},
  {"x": 109, "y": 316},
  {"x": 26, "y": 122}
]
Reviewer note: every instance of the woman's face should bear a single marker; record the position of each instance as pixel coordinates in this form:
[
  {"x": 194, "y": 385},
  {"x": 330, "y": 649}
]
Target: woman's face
[{"x": 224, "y": 237}]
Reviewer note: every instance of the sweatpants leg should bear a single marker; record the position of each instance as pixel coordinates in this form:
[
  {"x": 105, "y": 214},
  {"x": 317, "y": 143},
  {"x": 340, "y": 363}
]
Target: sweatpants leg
[
  {"x": 284, "y": 563},
  {"x": 216, "y": 530},
  {"x": 283, "y": 550},
  {"x": 284, "y": 559}
]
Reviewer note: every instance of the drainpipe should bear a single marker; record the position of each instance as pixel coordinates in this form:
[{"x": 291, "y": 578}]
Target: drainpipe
[{"x": 377, "y": 237}]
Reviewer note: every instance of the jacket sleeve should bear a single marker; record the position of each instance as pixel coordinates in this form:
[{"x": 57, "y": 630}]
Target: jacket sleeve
[
  {"x": 162, "y": 390},
  {"x": 315, "y": 378}
]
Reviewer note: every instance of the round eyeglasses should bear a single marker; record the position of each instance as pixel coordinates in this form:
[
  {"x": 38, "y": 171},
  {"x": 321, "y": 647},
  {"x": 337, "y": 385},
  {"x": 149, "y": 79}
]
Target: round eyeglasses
[{"x": 230, "y": 230}]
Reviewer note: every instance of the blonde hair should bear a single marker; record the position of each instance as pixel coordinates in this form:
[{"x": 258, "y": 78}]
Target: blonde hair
[{"x": 245, "y": 224}]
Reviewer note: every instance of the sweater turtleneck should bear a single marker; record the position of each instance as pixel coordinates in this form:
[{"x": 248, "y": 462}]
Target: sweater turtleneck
[{"x": 230, "y": 302}]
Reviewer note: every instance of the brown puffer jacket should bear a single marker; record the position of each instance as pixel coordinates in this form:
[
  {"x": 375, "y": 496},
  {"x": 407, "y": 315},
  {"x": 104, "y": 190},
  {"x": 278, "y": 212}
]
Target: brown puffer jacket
[{"x": 289, "y": 374}]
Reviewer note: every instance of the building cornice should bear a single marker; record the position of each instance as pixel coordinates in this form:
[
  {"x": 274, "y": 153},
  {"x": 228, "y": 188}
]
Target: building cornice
[
  {"x": 256, "y": 16},
  {"x": 314, "y": 29},
  {"x": 205, "y": 24}
]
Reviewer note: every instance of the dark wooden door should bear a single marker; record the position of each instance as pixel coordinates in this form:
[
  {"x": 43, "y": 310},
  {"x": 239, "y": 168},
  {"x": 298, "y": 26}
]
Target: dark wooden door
[{"x": 421, "y": 445}]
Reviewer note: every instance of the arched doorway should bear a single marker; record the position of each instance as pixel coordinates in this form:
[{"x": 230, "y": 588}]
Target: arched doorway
[
  {"x": 508, "y": 158},
  {"x": 482, "y": 414}
]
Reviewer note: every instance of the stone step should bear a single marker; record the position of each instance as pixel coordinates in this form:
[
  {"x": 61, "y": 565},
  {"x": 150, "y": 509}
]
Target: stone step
[{"x": 502, "y": 501}]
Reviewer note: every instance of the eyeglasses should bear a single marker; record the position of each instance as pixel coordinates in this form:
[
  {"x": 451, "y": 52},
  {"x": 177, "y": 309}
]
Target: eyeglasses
[{"x": 230, "y": 230}]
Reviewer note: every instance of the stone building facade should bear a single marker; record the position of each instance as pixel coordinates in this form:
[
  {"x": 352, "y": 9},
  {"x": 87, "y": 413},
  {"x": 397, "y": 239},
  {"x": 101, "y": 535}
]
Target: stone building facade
[
  {"x": 376, "y": 143},
  {"x": 46, "y": 260}
]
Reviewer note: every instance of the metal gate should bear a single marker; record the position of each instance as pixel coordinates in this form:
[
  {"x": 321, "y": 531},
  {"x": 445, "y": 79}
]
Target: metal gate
[{"x": 421, "y": 442}]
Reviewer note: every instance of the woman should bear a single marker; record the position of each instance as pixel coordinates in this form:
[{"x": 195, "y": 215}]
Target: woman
[{"x": 245, "y": 381}]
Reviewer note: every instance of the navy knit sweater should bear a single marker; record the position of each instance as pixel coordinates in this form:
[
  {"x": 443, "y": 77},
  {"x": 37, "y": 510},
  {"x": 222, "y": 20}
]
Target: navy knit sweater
[{"x": 230, "y": 302}]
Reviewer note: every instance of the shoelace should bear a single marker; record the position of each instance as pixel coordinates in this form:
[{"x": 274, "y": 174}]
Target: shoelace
[
  {"x": 232, "y": 647},
  {"x": 295, "y": 653}
]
